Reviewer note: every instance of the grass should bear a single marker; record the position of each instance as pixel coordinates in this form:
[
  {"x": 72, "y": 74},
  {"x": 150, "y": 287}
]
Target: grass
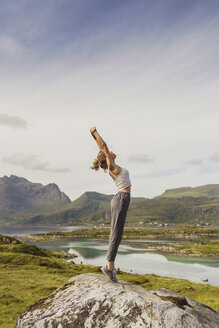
[
  {"x": 29, "y": 274},
  {"x": 25, "y": 280},
  {"x": 187, "y": 232},
  {"x": 201, "y": 249}
]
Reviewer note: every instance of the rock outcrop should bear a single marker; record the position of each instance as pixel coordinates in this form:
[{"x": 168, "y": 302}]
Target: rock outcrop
[{"x": 91, "y": 301}]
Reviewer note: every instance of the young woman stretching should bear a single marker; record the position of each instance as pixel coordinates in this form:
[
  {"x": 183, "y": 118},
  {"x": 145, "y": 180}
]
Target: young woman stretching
[{"x": 119, "y": 203}]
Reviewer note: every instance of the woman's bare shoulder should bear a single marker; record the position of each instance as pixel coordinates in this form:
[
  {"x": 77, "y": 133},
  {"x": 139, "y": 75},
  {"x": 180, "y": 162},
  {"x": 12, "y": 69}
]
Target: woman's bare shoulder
[{"x": 117, "y": 170}]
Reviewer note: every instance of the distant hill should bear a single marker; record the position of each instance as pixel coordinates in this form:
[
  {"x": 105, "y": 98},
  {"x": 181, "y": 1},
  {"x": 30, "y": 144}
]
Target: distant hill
[
  {"x": 20, "y": 198},
  {"x": 210, "y": 191},
  {"x": 94, "y": 209},
  {"x": 89, "y": 208},
  {"x": 25, "y": 203}
]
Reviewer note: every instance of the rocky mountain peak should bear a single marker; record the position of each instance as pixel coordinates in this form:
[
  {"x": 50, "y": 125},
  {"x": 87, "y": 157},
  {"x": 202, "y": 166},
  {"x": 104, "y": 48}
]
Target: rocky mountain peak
[
  {"x": 20, "y": 197},
  {"x": 52, "y": 186},
  {"x": 52, "y": 191},
  {"x": 13, "y": 179}
]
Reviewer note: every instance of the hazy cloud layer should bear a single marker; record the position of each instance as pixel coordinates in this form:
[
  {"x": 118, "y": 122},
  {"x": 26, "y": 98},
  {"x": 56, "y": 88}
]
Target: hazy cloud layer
[
  {"x": 32, "y": 162},
  {"x": 10, "y": 46},
  {"x": 195, "y": 162},
  {"x": 214, "y": 158},
  {"x": 144, "y": 72},
  {"x": 140, "y": 158},
  {"x": 166, "y": 173},
  {"x": 13, "y": 121}
]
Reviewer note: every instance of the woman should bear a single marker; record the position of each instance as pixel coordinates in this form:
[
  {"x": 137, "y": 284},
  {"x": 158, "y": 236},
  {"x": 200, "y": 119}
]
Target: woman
[{"x": 119, "y": 203}]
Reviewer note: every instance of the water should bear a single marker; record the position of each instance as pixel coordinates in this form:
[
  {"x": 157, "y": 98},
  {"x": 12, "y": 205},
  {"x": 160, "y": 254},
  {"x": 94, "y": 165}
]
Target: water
[{"x": 133, "y": 255}]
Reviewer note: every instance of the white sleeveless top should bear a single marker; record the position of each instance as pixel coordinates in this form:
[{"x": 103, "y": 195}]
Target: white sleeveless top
[{"x": 122, "y": 180}]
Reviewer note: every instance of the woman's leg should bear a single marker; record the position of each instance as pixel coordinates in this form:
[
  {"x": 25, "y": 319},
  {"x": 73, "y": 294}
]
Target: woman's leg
[
  {"x": 119, "y": 208},
  {"x": 110, "y": 265}
]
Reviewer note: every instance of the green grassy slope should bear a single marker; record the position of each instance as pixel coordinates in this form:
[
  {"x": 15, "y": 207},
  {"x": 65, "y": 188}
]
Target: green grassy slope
[
  {"x": 211, "y": 191},
  {"x": 89, "y": 208}
]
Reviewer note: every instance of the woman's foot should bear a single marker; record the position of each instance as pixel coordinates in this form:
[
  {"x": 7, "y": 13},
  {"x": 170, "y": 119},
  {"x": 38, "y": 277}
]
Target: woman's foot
[{"x": 110, "y": 274}]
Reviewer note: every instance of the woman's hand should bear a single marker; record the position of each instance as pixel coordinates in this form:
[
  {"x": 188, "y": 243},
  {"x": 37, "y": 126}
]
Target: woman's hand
[{"x": 93, "y": 129}]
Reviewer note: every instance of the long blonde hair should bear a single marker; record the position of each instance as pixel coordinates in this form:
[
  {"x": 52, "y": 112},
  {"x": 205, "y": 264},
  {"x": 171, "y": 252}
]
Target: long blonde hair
[{"x": 100, "y": 161}]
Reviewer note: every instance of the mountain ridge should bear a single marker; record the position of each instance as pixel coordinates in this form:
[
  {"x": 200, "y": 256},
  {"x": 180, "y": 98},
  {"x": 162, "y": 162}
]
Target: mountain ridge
[
  {"x": 209, "y": 190},
  {"x": 89, "y": 210},
  {"x": 25, "y": 203},
  {"x": 21, "y": 198}
]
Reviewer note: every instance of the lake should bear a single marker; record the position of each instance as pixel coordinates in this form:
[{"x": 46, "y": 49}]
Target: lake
[{"x": 134, "y": 257}]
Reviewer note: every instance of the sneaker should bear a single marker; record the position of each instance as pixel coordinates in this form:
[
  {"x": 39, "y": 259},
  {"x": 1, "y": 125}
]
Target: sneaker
[{"x": 110, "y": 274}]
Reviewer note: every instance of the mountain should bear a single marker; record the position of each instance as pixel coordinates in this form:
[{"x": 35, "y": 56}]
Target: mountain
[
  {"x": 25, "y": 203},
  {"x": 94, "y": 209},
  {"x": 89, "y": 208},
  {"x": 20, "y": 198},
  {"x": 210, "y": 191}
]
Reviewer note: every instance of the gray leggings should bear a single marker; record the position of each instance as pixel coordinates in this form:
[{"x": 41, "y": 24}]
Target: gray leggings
[{"x": 119, "y": 207}]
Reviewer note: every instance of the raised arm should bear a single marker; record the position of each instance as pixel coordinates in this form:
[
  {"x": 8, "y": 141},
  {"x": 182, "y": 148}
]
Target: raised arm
[
  {"x": 100, "y": 142},
  {"x": 103, "y": 146}
]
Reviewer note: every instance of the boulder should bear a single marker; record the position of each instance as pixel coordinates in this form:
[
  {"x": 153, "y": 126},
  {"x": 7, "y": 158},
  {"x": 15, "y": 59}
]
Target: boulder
[{"x": 91, "y": 301}]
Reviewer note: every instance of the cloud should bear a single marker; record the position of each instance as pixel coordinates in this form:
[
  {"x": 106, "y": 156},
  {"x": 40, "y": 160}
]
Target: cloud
[
  {"x": 160, "y": 173},
  {"x": 32, "y": 162},
  {"x": 214, "y": 158},
  {"x": 10, "y": 47},
  {"x": 195, "y": 162},
  {"x": 153, "y": 66},
  {"x": 140, "y": 158},
  {"x": 13, "y": 121},
  {"x": 165, "y": 173}
]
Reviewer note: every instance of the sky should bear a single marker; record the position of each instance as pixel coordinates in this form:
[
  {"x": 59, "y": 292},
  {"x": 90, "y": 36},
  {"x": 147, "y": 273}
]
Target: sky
[{"x": 145, "y": 73}]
